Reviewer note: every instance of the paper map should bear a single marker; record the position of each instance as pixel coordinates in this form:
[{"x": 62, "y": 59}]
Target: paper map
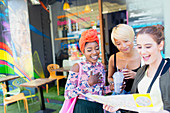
[{"x": 132, "y": 102}]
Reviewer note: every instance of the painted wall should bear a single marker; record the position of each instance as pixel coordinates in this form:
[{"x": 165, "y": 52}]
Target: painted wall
[
  {"x": 20, "y": 36},
  {"x": 25, "y": 43},
  {"x": 15, "y": 44},
  {"x": 6, "y": 54},
  {"x": 15, "y": 39}
]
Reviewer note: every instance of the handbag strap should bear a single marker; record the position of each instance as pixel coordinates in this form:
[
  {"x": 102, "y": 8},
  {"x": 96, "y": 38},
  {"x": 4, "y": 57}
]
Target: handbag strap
[
  {"x": 115, "y": 67},
  {"x": 156, "y": 75},
  {"x": 166, "y": 67}
]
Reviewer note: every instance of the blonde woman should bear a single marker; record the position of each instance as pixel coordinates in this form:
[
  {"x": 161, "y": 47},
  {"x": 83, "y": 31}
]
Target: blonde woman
[{"x": 127, "y": 59}]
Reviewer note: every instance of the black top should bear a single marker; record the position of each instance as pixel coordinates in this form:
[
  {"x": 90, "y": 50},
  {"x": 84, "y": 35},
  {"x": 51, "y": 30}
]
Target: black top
[{"x": 129, "y": 82}]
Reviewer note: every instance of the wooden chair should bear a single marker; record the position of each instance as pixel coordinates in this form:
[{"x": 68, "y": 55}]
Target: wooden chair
[
  {"x": 10, "y": 99},
  {"x": 52, "y": 70}
]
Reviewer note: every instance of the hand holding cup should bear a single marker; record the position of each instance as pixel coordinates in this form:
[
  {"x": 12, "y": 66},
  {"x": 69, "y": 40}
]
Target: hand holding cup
[{"x": 128, "y": 74}]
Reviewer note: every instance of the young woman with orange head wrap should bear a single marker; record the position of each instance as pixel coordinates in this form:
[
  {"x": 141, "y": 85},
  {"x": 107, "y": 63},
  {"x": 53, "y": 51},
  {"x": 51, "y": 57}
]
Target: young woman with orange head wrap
[{"x": 87, "y": 77}]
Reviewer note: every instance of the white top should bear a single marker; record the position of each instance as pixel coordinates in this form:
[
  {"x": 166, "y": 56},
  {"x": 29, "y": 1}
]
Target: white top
[{"x": 155, "y": 92}]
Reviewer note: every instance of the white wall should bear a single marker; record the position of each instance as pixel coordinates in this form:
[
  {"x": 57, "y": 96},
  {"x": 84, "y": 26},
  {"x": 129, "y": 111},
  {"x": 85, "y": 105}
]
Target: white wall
[{"x": 167, "y": 27}]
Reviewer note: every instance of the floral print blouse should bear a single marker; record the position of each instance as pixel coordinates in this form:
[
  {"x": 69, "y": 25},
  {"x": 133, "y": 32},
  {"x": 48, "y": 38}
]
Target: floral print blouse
[{"x": 73, "y": 86}]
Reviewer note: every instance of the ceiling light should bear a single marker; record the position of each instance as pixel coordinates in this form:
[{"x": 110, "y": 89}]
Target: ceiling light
[
  {"x": 35, "y": 2},
  {"x": 66, "y": 6},
  {"x": 87, "y": 8}
]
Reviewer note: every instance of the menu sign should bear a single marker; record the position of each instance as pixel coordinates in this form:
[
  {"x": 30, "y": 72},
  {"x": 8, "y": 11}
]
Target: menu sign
[{"x": 143, "y": 13}]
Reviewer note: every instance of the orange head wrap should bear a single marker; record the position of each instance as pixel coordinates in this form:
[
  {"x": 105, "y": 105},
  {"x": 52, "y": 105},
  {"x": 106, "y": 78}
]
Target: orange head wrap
[{"x": 88, "y": 36}]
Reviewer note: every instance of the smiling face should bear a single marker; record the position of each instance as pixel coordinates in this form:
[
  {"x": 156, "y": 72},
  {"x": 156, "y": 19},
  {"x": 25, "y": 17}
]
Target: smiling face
[
  {"x": 148, "y": 48},
  {"x": 91, "y": 52},
  {"x": 123, "y": 45}
]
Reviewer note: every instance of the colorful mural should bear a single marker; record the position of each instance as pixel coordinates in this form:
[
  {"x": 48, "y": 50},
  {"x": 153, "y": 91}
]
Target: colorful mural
[
  {"x": 6, "y": 60},
  {"x": 15, "y": 44},
  {"x": 6, "y": 54},
  {"x": 20, "y": 36}
]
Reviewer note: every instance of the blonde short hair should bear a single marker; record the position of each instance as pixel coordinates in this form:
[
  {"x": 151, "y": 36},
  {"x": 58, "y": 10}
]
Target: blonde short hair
[{"x": 122, "y": 31}]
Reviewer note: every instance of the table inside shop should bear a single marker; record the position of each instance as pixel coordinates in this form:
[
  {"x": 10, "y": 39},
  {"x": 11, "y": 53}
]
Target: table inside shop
[
  {"x": 38, "y": 83},
  {"x": 63, "y": 69},
  {"x": 7, "y": 78},
  {"x": 66, "y": 69}
]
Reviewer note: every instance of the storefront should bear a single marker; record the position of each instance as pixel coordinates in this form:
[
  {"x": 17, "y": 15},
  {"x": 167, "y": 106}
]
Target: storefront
[
  {"x": 103, "y": 15},
  {"x": 70, "y": 22},
  {"x": 36, "y": 33},
  {"x": 39, "y": 34}
]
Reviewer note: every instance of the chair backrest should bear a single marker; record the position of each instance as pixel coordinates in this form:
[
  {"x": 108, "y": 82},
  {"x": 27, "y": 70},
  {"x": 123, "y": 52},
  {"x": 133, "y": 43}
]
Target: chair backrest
[
  {"x": 4, "y": 89},
  {"x": 52, "y": 69},
  {"x": 18, "y": 81}
]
